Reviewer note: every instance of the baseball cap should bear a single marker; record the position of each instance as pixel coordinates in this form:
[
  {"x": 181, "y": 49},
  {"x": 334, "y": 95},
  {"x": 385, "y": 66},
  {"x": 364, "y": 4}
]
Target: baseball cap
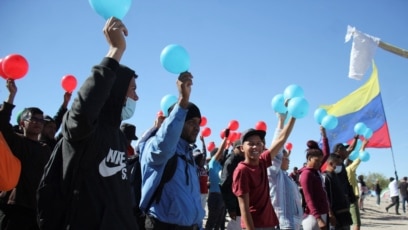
[
  {"x": 197, "y": 153},
  {"x": 129, "y": 130},
  {"x": 340, "y": 146},
  {"x": 250, "y": 132},
  {"x": 236, "y": 144}
]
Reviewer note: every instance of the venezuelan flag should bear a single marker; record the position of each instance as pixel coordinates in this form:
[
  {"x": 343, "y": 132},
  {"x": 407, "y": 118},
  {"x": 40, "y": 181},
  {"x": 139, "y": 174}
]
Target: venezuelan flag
[{"x": 363, "y": 105}]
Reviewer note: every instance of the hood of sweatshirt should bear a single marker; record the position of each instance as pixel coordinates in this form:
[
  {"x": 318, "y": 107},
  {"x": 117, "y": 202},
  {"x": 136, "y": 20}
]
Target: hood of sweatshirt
[{"x": 112, "y": 110}]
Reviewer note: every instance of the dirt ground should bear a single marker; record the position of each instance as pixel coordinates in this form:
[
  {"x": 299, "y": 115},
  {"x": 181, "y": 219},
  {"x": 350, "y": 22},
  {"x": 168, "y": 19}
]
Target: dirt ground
[{"x": 375, "y": 217}]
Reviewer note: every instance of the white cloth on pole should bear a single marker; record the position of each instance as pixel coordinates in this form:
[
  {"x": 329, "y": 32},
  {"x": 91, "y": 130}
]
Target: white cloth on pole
[{"x": 362, "y": 52}]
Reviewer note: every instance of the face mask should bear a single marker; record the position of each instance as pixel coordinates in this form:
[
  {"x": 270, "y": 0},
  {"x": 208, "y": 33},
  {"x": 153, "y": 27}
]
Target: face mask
[
  {"x": 128, "y": 109},
  {"x": 338, "y": 169}
]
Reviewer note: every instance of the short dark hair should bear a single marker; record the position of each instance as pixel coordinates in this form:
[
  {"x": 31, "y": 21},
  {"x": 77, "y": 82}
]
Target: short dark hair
[
  {"x": 30, "y": 111},
  {"x": 333, "y": 158}
]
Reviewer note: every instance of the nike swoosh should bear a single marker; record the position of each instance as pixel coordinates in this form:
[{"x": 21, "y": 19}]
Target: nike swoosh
[{"x": 107, "y": 171}]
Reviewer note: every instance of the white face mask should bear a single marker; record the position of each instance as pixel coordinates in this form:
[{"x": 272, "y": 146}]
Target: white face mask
[
  {"x": 128, "y": 109},
  {"x": 338, "y": 169}
]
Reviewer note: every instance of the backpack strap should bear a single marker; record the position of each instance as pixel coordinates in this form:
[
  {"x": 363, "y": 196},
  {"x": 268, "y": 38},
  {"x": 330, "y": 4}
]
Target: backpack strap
[{"x": 168, "y": 174}]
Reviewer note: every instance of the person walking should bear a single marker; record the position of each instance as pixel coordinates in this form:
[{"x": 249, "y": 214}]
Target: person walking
[
  {"x": 394, "y": 194},
  {"x": 403, "y": 188},
  {"x": 378, "y": 190}
]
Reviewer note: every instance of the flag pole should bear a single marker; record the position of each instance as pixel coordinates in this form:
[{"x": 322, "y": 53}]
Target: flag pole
[
  {"x": 393, "y": 49},
  {"x": 389, "y": 137}
]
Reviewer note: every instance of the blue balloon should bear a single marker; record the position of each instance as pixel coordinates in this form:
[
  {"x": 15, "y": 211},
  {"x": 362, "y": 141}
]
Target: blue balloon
[
  {"x": 360, "y": 128},
  {"x": 278, "y": 104},
  {"x": 368, "y": 133},
  {"x": 175, "y": 59},
  {"x": 166, "y": 102},
  {"x": 111, "y": 8},
  {"x": 354, "y": 155},
  {"x": 298, "y": 107},
  {"x": 364, "y": 156},
  {"x": 319, "y": 114},
  {"x": 293, "y": 91},
  {"x": 358, "y": 145},
  {"x": 329, "y": 122}
]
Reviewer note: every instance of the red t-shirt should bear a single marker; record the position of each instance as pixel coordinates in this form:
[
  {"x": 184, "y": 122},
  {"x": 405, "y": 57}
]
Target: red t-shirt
[
  {"x": 254, "y": 180},
  {"x": 203, "y": 178}
]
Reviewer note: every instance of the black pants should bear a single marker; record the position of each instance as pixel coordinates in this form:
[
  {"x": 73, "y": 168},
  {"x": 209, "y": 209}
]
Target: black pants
[
  {"x": 14, "y": 217},
  {"x": 155, "y": 224},
  {"x": 395, "y": 201}
]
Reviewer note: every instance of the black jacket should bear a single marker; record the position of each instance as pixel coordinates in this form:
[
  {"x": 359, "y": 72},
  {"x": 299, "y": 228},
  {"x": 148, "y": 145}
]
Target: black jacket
[
  {"x": 230, "y": 200},
  {"x": 33, "y": 156},
  {"x": 92, "y": 139}
]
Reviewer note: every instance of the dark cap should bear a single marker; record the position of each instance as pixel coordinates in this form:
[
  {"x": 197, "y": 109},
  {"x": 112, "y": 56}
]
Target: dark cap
[
  {"x": 193, "y": 111},
  {"x": 48, "y": 119},
  {"x": 129, "y": 130},
  {"x": 392, "y": 178},
  {"x": 251, "y": 132},
  {"x": 197, "y": 153},
  {"x": 237, "y": 143},
  {"x": 340, "y": 146}
]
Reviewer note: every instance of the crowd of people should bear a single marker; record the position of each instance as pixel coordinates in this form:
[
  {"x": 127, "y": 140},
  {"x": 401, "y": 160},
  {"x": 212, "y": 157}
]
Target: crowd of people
[{"x": 89, "y": 175}]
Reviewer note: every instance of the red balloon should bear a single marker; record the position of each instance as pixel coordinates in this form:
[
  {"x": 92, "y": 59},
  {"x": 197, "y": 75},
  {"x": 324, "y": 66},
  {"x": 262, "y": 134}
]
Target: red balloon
[
  {"x": 203, "y": 121},
  {"x": 222, "y": 134},
  {"x": 233, "y": 125},
  {"x": 211, "y": 146},
  {"x": 206, "y": 132},
  {"x": 1, "y": 69},
  {"x": 68, "y": 83},
  {"x": 260, "y": 125},
  {"x": 14, "y": 66},
  {"x": 289, "y": 146},
  {"x": 233, "y": 136}
]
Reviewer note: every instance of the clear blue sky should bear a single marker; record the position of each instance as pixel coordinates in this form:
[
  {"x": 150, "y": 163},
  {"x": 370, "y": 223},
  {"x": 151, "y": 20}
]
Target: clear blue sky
[{"x": 242, "y": 54}]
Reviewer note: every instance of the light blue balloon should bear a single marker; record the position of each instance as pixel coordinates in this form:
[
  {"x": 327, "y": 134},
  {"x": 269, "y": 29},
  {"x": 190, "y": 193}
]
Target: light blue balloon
[
  {"x": 364, "y": 156},
  {"x": 368, "y": 133},
  {"x": 354, "y": 155},
  {"x": 298, "y": 107},
  {"x": 319, "y": 114},
  {"x": 360, "y": 128},
  {"x": 293, "y": 91},
  {"x": 358, "y": 145},
  {"x": 278, "y": 104},
  {"x": 329, "y": 122},
  {"x": 175, "y": 59},
  {"x": 111, "y": 8},
  {"x": 166, "y": 102}
]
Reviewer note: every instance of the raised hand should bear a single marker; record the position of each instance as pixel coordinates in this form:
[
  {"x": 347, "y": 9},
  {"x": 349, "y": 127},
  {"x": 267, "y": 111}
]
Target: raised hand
[
  {"x": 184, "y": 83},
  {"x": 12, "y": 88},
  {"x": 115, "y": 32}
]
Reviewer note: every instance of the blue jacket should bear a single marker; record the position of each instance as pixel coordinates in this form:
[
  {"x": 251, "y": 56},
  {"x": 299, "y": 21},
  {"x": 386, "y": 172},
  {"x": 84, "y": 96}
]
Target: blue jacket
[{"x": 180, "y": 201}]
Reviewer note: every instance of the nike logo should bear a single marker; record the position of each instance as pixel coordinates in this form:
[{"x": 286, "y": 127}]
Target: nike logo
[{"x": 113, "y": 163}]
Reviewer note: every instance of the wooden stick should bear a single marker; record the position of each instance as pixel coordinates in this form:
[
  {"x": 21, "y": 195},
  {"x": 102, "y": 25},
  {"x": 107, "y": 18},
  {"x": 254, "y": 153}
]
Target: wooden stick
[{"x": 393, "y": 49}]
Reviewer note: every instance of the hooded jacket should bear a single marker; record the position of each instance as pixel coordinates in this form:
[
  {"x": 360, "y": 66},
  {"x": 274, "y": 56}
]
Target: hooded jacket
[{"x": 93, "y": 142}]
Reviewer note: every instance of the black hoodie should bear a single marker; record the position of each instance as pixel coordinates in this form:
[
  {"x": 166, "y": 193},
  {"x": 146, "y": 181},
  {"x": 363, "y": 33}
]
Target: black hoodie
[{"x": 93, "y": 141}]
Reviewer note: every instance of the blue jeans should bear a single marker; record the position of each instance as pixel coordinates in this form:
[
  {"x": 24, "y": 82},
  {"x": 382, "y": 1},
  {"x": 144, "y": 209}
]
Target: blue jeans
[{"x": 216, "y": 211}]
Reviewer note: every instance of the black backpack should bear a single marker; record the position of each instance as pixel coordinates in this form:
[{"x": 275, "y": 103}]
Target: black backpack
[{"x": 135, "y": 176}]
